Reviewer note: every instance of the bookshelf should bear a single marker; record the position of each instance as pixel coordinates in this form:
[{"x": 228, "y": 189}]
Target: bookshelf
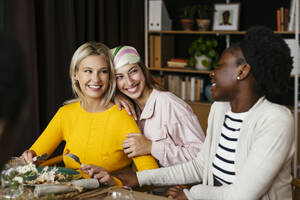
[
  {"x": 169, "y": 69},
  {"x": 198, "y": 32},
  {"x": 201, "y": 108},
  {"x": 212, "y": 32}
]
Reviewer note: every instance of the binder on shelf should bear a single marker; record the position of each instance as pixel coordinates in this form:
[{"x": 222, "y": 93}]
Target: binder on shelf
[
  {"x": 157, "y": 51},
  {"x": 161, "y": 50},
  {"x": 158, "y": 16},
  {"x": 151, "y": 51},
  {"x": 292, "y": 16},
  {"x": 293, "y": 48}
]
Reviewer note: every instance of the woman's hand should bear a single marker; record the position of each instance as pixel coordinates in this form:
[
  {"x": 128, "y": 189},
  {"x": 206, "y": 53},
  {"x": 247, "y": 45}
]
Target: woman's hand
[
  {"x": 99, "y": 173},
  {"x": 176, "y": 192},
  {"x": 137, "y": 145},
  {"x": 28, "y": 156},
  {"x": 122, "y": 101},
  {"x": 127, "y": 176}
]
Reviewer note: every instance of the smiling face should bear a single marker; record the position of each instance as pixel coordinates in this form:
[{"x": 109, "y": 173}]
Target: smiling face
[
  {"x": 224, "y": 78},
  {"x": 131, "y": 81},
  {"x": 93, "y": 76}
]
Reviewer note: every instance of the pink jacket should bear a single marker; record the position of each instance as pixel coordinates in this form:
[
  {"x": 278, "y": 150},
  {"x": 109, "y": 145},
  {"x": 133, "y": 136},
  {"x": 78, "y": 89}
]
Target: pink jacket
[{"x": 173, "y": 128}]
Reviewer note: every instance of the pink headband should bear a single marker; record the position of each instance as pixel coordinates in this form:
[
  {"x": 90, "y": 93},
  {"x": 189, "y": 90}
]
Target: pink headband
[{"x": 124, "y": 55}]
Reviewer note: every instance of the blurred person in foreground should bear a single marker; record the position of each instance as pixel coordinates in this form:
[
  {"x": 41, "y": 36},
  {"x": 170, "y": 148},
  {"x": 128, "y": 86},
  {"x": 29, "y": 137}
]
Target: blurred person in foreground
[{"x": 12, "y": 94}]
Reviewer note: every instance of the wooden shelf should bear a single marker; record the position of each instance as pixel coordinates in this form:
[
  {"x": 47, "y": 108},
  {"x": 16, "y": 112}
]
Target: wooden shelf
[
  {"x": 180, "y": 70},
  {"x": 284, "y": 32},
  {"x": 212, "y": 32},
  {"x": 200, "y": 32},
  {"x": 203, "y": 103}
]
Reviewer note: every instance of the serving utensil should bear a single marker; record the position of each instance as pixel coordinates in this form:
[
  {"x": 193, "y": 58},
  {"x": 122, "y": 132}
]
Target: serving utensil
[
  {"x": 40, "y": 158},
  {"x": 75, "y": 158}
]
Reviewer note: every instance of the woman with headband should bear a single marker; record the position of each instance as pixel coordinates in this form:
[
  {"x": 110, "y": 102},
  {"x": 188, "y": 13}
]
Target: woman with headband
[{"x": 171, "y": 131}]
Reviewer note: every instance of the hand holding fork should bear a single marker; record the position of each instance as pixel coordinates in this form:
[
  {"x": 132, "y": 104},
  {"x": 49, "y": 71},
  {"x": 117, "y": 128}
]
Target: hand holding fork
[{"x": 93, "y": 171}]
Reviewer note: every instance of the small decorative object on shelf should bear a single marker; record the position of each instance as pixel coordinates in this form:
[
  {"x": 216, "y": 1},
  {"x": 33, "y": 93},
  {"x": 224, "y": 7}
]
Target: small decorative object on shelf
[
  {"x": 226, "y": 17},
  {"x": 204, "y": 16},
  {"x": 187, "y": 17},
  {"x": 203, "y": 53}
]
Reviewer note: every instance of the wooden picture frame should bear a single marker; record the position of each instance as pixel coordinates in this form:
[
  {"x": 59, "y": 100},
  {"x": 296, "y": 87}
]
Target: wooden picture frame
[{"x": 226, "y": 17}]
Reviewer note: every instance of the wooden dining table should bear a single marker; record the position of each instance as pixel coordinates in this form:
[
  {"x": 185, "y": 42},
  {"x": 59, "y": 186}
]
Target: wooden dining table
[{"x": 101, "y": 193}]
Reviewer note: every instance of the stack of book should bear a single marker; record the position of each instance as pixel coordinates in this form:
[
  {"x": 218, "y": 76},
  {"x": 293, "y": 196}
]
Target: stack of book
[
  {"x": 282, "y": 19},
  {"x": 177, "y": 63}
]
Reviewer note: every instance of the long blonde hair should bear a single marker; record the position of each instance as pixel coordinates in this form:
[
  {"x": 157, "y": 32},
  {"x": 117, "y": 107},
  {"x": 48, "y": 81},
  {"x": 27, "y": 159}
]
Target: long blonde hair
[{"x": 85, "y": 50}]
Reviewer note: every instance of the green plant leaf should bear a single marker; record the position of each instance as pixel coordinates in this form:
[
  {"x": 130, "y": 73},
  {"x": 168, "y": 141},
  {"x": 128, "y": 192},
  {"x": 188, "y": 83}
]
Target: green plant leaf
[
  {"x": 212, "y": 53},
  {"x": 205, "y": 63},
  {"x": 214, "y": 43},
  {"x": 192, "y": 61},
  {"x": 204, "y": 46}
]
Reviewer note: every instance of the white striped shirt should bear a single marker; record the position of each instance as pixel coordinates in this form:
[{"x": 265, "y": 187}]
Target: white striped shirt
[{"x": 224, "y": 162}]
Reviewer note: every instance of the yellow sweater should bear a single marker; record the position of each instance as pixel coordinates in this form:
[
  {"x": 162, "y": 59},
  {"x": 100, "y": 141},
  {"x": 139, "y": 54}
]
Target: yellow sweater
[{"x": 96, "y": 138}]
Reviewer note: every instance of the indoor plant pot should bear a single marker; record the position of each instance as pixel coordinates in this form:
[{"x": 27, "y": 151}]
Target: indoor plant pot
[
  {"x": 204, "y": 16},
  {"x": 203, "y": 24},
  {"x": 187, "y": 17},
  {"x": 202, "y": 62},
  {"x": 203, "y": 53}
]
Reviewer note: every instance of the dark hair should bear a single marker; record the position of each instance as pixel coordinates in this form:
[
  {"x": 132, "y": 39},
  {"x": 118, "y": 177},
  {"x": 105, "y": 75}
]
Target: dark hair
[
  {"x": 226, "y": 12},
  {"x": 270, "y": 60}
]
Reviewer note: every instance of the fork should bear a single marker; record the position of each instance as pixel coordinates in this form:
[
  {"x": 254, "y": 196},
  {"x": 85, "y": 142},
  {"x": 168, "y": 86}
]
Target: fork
[
  {"x": 75, "y": 158},
  {"x": 40, "y": 158}
]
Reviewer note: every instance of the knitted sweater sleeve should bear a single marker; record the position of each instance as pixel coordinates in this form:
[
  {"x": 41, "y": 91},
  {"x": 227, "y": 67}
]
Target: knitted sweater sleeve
[
  {"x": 51, "y": 137},
  {"x": 185, "y": 173},
  {"x": 270, "y": 149}
]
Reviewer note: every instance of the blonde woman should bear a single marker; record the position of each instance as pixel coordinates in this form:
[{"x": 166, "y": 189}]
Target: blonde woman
[{"x": 92, "y": 126}]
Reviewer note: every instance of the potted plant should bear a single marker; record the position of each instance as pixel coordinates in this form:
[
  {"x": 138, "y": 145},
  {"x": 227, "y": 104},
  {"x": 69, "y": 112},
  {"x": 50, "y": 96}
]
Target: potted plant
[
  {"x": 204, "y": 15},
  {"x": 203, "y": 53},
  {"x": 187, "y": 17}
]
